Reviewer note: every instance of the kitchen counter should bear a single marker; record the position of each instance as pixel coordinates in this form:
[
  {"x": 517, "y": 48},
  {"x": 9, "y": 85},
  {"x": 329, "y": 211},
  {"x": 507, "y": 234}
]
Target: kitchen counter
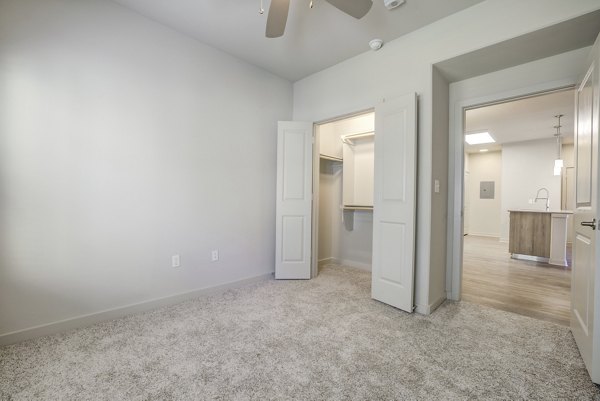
[{"x": 539, "y": 235}]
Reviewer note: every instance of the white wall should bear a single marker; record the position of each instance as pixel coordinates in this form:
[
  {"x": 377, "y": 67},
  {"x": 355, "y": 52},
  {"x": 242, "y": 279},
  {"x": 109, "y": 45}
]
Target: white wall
[
  {"x": 484, "y": 214},
  {"x": 439, "y": 201},
  {"x": 122, "y": 143},
  {"x": 527, "y": 167},
  {"x": 405, "y": 65},
  {"x": 330, "y": 185}
]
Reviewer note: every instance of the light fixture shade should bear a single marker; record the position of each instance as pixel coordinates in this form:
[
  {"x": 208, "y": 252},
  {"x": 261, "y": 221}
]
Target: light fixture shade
[{"x": 558, "y": 163}]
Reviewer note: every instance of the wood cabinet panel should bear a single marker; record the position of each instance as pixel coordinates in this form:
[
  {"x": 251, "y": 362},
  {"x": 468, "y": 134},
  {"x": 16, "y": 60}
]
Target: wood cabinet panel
[{"x": 530, "y": 233}]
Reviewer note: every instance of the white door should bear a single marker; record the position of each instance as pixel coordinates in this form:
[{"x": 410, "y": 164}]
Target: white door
[
  {"x": 466, "y": 203},
  {"x": 395, "y": 202},
  {"x": 585, "y": 279},
  {"x": 294, "y": 200}
]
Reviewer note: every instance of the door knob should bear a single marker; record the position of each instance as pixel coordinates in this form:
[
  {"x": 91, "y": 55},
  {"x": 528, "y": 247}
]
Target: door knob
[{"x": 589, "y": 224}]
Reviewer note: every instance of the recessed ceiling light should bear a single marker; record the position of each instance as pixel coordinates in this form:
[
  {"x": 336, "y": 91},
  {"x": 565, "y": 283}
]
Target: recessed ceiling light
[
  {"x": 479, "y": 138},
  {"x": 483, "y": 150}
]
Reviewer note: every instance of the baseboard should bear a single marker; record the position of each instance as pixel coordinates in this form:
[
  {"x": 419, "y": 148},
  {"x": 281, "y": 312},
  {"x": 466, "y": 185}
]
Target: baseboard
[
  {"x": 110, "y": 314},
  {"x": 352, "y": 263},
  {"x": 450, "y": 296},
  {"x": 428, "y": 309},
  {"x": 346, "y": 262},
  {"x": 325, "y": 261},
  {"x": 484, "y": 235}
]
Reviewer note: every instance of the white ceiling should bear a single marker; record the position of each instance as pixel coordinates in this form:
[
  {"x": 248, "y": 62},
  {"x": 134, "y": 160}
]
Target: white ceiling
[
  {"x": 523, "y": 120},
  {"x": 314, "y": 39}
]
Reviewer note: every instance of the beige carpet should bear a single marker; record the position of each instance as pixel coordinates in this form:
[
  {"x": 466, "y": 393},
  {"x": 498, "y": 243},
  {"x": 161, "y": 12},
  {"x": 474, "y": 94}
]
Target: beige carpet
[{"x": 322, "y": 339}]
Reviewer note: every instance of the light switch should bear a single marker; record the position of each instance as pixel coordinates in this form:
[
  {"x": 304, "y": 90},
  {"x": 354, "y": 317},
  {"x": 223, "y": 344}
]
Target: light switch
[
  {"x": 436, "y": 186},
  {"x": 175, "y": 261}
]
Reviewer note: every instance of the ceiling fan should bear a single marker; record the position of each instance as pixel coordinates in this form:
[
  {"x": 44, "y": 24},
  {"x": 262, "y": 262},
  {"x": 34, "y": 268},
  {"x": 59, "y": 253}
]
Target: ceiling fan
[{"x": 278, "y": 13}]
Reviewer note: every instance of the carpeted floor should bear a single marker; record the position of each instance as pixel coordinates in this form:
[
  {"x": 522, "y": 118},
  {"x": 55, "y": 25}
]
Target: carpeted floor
[{"x": 322, "y": 339}]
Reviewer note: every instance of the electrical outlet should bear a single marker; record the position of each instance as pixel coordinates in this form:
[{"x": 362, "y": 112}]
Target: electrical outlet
[
  {"x": 175, "y": 261},
  {"x": 214, "y": 255}
]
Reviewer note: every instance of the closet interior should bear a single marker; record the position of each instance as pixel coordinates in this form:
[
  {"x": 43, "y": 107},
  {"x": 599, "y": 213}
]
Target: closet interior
[{"x": 345, "y": 191}]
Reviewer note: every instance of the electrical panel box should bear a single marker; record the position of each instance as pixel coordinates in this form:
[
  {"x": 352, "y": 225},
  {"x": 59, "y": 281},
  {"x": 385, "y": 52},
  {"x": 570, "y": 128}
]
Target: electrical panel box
[{"x": 486, "y": 189}]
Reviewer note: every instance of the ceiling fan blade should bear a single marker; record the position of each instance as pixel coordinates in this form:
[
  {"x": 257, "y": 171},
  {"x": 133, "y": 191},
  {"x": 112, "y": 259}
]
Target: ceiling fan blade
[
  {"x": 277, "y": 18},
  {"x": 355, "y": 8}
]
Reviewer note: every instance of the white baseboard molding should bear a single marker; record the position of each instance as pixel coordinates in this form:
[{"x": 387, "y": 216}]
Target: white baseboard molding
[
  {"x": 352, "y": 263},
  {"x": 110, "y": 314},
  {"x": 452, "y": 297},
  {"x": 484, "y": 235},
  {"x": 346, "y": 262},
  {"x": 325, "y": 261},
  {"x": 428, "y": 309}
]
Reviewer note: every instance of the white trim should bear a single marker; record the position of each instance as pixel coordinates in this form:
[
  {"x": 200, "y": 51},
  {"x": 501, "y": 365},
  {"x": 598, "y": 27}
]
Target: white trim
[
  {"x": 428, "y": 309},
  {"x": 346, "y": 263},
  {"x": 494, "y": 235},
  {"x": 352, "y": 263},
  {"x": 115, "y": 313}
]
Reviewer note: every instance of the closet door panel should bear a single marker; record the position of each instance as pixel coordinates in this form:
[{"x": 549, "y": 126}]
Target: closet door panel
[
  {"x": 394, "y": 213},
  {"x": 294, "y": 200}
]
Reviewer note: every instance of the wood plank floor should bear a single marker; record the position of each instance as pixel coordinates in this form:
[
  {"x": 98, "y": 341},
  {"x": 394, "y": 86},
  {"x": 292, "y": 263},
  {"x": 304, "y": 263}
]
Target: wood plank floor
[{"x": 492, "y": 278}]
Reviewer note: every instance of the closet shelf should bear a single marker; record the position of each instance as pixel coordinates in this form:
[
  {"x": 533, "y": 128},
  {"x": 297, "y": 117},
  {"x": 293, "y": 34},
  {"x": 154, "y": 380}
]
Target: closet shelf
[
  {"x": 331, "y": 158},
  {"x": 347, "y": 139},
  {"x": 357, "y": 207}
]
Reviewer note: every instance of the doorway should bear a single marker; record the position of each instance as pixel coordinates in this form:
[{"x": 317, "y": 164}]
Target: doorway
[
  {"x": 516, "y": 251},
  {"x": 393, "y": 198},
  {"x": 343, "y": 185}
]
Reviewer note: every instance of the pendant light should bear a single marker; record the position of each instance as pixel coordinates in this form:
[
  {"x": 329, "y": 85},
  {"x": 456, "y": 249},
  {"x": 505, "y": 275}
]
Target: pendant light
[{"x": 558, "y": 163}]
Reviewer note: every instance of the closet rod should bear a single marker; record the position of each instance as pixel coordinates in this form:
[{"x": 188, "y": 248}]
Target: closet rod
[{"x": 349, "y": 137}]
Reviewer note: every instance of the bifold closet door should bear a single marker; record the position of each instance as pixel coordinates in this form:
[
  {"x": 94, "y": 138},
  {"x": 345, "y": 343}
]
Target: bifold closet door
[
  {"x": 394, "y": 211},
  {"x": 293, "y": 230}
]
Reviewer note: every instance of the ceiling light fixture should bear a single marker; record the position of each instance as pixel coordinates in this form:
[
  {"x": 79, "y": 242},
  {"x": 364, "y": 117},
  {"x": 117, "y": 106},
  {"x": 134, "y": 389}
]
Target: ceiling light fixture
[
  {"x": 279, "y": 11},
  {"x": 391, "y": 4},
  {"x": 483, "y": 150},
  {"x": 479, "y": 138},
  {"x": 376, "y": 44},
  {"x": 558, "y": 163},
  {"x": 261, "y": 10}
]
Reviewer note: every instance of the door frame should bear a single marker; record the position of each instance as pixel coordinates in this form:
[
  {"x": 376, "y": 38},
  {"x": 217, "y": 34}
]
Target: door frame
[
  {"x": 314, "y": 268},
  {"x": 455, "y": 233}
]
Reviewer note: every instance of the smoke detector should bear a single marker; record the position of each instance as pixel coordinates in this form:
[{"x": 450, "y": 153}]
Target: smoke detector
[
  {"x": 376, "y": 44},
  {"x": 391, "y": 4}
]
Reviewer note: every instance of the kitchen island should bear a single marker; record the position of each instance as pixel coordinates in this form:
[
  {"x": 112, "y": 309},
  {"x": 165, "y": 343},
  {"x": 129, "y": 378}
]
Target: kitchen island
[{"x": 539, "y": 235}]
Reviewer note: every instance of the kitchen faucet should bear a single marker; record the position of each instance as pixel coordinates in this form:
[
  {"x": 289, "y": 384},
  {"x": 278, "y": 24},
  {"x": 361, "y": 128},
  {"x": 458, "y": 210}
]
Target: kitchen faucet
[{"x": 547, "y": 198}]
